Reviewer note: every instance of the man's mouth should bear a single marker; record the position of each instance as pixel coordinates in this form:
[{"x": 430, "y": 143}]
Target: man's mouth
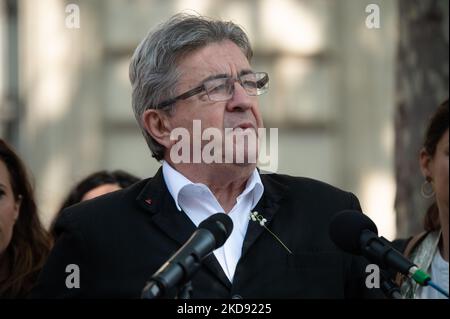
[{"x": 245, "y": 126}]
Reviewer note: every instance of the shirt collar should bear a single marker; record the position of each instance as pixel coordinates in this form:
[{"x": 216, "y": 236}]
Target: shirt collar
[{"x": 176, "y": 182}]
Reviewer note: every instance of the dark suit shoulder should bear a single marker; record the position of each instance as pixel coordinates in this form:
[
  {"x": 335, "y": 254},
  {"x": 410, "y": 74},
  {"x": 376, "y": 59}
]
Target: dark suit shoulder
[
  {"x": 99, "y": 237},
  {"x": 104, "y": 210},
  {"x": 306, "y": 185}
]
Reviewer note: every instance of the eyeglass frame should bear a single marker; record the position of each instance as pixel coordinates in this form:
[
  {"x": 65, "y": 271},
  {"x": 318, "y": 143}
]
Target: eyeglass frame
[{"x": 202, "y": 87}]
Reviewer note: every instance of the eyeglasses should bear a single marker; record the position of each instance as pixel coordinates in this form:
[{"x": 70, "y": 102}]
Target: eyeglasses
[{"x": 222, "y": 88}]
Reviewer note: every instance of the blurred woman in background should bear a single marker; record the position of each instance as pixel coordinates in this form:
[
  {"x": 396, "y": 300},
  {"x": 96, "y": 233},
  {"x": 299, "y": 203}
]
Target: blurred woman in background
[
  {"x": 24, "y": 243},
  {"x": 429, "y": 250}
]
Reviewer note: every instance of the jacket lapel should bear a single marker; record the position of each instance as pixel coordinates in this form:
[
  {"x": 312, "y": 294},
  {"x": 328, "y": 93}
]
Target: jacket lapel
[
  {"x": 267, "y": 206},
  {"x": 156, "y": 199}
]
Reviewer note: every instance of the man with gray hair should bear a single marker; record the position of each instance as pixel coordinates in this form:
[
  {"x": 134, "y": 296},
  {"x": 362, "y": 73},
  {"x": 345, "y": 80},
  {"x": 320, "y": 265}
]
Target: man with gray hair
[{"x": 195, "y": 98}]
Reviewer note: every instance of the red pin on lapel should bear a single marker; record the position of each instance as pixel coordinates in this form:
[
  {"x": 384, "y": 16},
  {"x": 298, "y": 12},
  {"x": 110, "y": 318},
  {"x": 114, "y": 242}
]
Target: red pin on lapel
[{"x": 148, "y": 201}]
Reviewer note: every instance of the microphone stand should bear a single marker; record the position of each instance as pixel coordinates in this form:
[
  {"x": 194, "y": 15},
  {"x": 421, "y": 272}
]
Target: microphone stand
[
  {"x": 152, "y": 291},
  {"x": 389, "y": 288},
  {"x": 185, "y": 291}
]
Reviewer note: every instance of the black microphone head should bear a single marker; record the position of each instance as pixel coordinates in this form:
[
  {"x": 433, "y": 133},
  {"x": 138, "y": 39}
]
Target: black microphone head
[
  {"x": 346, "y": 228},
  {"x": 220, "y": 225}
]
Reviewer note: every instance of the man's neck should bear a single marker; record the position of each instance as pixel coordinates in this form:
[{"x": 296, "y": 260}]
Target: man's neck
[{"x": 226, "y": 181}]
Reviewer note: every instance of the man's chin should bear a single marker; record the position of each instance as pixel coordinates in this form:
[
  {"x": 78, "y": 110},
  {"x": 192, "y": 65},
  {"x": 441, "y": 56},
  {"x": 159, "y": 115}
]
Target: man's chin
[{"x": 239, "y": 163}]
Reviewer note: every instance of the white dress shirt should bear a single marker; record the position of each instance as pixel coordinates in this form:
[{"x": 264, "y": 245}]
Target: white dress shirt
[{"x": 198, "y": 202}]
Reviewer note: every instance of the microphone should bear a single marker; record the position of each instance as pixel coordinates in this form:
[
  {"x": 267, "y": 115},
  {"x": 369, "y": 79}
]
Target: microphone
[
  {"x": 355, "y": 233},
  {"x": 210, "y": 235}
]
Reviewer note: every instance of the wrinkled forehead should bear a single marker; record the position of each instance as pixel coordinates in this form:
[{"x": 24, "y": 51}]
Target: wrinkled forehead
[{"x": 219, "y": 58}]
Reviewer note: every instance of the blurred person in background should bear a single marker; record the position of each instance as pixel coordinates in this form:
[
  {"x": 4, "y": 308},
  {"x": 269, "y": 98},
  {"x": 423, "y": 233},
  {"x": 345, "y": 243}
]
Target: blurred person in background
[
  {"x": 95, "y": 185},
  {"x": 24, "y": 243},
  {"x": 429, "y": 249}
]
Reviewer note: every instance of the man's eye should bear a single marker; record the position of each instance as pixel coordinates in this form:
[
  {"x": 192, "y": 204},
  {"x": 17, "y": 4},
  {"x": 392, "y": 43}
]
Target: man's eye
[
  {"x": 250, "y": 84},
  {"x": 218, "y": 88}
]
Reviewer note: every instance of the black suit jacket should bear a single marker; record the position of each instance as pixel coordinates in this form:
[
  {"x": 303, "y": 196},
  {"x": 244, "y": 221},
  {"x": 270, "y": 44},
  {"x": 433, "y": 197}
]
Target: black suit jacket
[{"x": 121, "y": 239}]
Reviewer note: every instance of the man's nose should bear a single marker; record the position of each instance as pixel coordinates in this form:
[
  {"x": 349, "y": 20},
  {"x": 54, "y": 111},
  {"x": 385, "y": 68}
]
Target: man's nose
[{"x": 240, "y": 100}]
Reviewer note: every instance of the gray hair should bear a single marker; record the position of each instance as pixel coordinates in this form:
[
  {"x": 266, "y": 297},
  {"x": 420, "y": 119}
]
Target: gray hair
[{"x": 153, "y": 67}]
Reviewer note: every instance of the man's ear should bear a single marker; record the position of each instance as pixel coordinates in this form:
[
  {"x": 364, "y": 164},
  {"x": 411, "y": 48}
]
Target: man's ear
[
  {"x": 425, "y": 164},
  {"x": 157, "y": 124}
]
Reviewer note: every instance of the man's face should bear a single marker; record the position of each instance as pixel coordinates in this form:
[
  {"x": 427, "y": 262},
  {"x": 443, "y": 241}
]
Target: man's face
[{"x": 240, "y": 113}]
